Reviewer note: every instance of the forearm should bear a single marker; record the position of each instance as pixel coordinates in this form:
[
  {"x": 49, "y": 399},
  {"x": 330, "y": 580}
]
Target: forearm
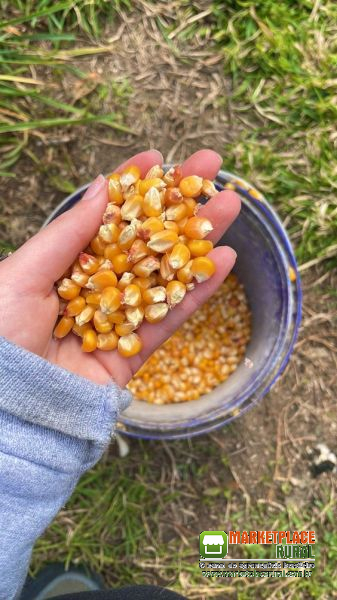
[{"x": 43, "y": 452}]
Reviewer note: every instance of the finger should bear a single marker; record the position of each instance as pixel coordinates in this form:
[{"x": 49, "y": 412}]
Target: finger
[
  {"x": 144, "y": 160},
  {"x": 205, "y": 163},
  {"x": 154, "y": 335},
  {"x": 50, "y": 252}
]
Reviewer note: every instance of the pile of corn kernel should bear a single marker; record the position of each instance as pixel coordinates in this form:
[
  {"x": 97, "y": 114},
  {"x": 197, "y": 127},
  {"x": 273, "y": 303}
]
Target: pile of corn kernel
[
  {"x": 148, "y": 253},
  {"x": 201, "y": 354}
]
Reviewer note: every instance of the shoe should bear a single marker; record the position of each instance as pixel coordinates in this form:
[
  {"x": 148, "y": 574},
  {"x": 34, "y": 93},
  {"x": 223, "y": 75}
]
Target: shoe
[{"x": 55, "y": 581}]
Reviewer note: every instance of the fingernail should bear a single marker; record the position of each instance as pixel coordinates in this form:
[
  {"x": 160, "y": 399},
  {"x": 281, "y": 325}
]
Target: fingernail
[
  {"x": 94, "y": 187},
  {"x": 231, "y": 251}
]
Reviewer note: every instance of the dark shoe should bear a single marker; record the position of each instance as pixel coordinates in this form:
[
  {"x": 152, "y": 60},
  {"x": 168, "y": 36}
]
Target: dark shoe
[{"x": 55, "y": 581}]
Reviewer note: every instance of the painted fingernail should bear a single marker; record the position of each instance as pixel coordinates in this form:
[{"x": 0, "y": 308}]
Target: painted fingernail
[{"x": 94, "y": 187}]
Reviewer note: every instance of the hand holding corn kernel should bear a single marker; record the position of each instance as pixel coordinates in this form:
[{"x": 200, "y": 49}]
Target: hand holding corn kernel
[{"x": 137, "y": 248}]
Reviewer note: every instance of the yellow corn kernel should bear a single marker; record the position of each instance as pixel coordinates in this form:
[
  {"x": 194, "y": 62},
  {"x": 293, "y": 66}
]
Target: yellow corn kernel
[
  {"x": 127, "y": 236},
  {"x": 176, "y": 212},
  {"x": 142, "y": 282},
  {"x": 156, "y": 312},
  {"x": 190, "y": 287},
  {"x": 110, "y": 300},
  {"x": 163, "y": 241},
  {"x": 132, "y": 207},
  {"x": 132, "y": 295},
  {"x": 146, "y": 266},
  {"x": 173, "y": 196},
  {"x": 185, "y": 274},
  {"x": 63, "y": 327},
  {"x": 125, "y": 280},
  {"x": 101, "y": 323},
  {"x": 181, "y": 225},
  {"x": 88, "y": 263},
  {"x": 93, "y": 299},
  {"x": 109, "y": 233},
  {"x": 89, "y": 340},
  {"x": 134, "y": 315},
  {"x": 68, "y": 289},
  {"x": 111, "y": 250},
  {"x": 115, "y": 189},
  {"x": 129, "y": 177},
  {"x": 80, "y": 329},
  {"x": 199, "y": 247},
  {"x": 97, "y": 245},
  {"x": 152, "y": 203},
  {"x": 175, "y": 291},
  {"x": 198, "y": 228},
  {"x": 155, "y": 172},
  {"x": 117, "y": 317},
  {"x": 191, "y": 207},
  {"x": 149, "y": 227},
  {"x": 208, "y": 188},
  {"x": 191, "y": 186},
  {"x": 171, "y": 226},
  {"x": 120, "y": 263},
  {"x": 74, "y": 307},
  {"x": 85, "y": 315},
  {"x": 183, "y": 239},
  {"x": 138, "y": 251},
  {"x": 112, "y": 214},
  {"x": 124, "y": 328},
  {"x": 154, "y": 182},
  {"x": 166, "y": 271},
  {"x": 101, "y": 280},
  {"x": 154, "y": 294},
  {"x": 202, "y": 268},
  {"x": 129, "y": 345},
  {"x": 107, "y": 341},
  {"x": 179, "y": 256},
  {"x": 173, "y": 176},
  {"x": 292, "y": 274},
  {"x": 106, "y": 265}
]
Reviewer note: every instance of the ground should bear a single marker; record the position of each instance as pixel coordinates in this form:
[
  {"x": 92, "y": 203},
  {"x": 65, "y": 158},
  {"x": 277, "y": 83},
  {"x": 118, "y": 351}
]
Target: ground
[{"x": 137, "y": 519}]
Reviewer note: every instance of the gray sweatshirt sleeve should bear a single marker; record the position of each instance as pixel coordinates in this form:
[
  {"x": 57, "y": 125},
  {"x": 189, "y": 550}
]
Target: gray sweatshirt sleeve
[{"x": 53, "y": 426}]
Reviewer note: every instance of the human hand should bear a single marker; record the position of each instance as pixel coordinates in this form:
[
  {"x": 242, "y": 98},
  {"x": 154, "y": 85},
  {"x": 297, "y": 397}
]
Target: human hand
[{"x": 29, "y": 303}]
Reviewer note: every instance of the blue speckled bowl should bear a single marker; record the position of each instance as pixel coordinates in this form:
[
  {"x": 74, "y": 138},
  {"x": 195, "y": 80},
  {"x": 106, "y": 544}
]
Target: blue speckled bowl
[{"x": 266, "y": 265}]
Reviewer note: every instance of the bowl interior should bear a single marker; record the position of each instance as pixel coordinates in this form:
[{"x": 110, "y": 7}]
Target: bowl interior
[{"x": 262, "y": 268}]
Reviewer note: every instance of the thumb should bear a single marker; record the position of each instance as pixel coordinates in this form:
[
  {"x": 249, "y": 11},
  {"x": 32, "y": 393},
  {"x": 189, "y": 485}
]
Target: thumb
[{"x": 47, "y": 255}]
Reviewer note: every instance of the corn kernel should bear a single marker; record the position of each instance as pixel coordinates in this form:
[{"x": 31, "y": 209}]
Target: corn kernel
[
  {"x": 129, "y": 345},
  {"x": 113, "y": 214},
  {"x": 173, "y": 176},
  {"x": 162, "y": 241},
  {"x": 173, "y": 196},
  {"x": 132, "y": 208},
  {"x": 101, "y": 280},
  {"x": 101, "y": 323},
  {"x": 132, "y": 295},
  {"x": 137, "y": 251},
  {"x": 134, "y": 315},
  {"x": 198, "y": 228},
  {"x": 179, "y": 256},
  {"x": 176, "y": 212},
  {"x": 74, "y": 307},
  {"x": 107, "y": 341},
  {"x": 175, "y": 291},
  {"x": 109, "y": 233},
  {"x": 191, "y": 207},
  {"x": 63, "y": 327},
  {"x": 106, "y": 265},
  {"x": 156, "y": 312},
  {"x": 110, "y": 300},
  {"x": 181, "y": 225},
  {"x": 208, "y": 188},
  {"x": 154, "y": 182},
  {"x": 68, "y": 289},
  {"x": 97, "y": 245},
  {"x": 117, "y": 317},
  {"x": 80, "y": 278},
  {"x": 127, "y": 236},
  {"x": 143, "y": 282},
  {"x": 191, "y": 186},
  {"x": 111, "y": 250},
  {"x": 124, "y": 328},
  {"x": 129, "y": 177},
  {"x": 120, "y": 263},
  {"x": 155, "y": 172},
  {"x": 154, "y": 295},
  {"x": 171, "y": 226},
  {"x": 93, "y": 299},
  {"x": 146, "y": 266},
  {"x": 80, "y": 329},
  {"x": 152, "y": 203},
  {"x": 185, "y": 274},
  {"x": 166, "y": 271},
  {"x": 149, "y": 227},
  {"x": 202, "y": 268},
  {"x": 115, "y": 190},
  {"x": 88, "y": 263},
  {"x": 199, "y": 247},
  {"x": 125, "y": 280},
  {"x": 89, "y": 340},
  {"x": 85, "y": 315}
]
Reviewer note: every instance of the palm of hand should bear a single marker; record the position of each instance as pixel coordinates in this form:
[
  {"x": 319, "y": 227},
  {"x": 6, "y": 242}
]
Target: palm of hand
[{"x": 29, "y": 304}]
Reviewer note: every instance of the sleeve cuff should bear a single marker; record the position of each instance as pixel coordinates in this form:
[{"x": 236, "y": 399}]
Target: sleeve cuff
[{"x": 39, "y": 392}]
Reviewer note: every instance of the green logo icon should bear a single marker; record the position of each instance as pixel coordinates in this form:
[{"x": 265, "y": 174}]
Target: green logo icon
[{"x": 213, "y": 544}]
